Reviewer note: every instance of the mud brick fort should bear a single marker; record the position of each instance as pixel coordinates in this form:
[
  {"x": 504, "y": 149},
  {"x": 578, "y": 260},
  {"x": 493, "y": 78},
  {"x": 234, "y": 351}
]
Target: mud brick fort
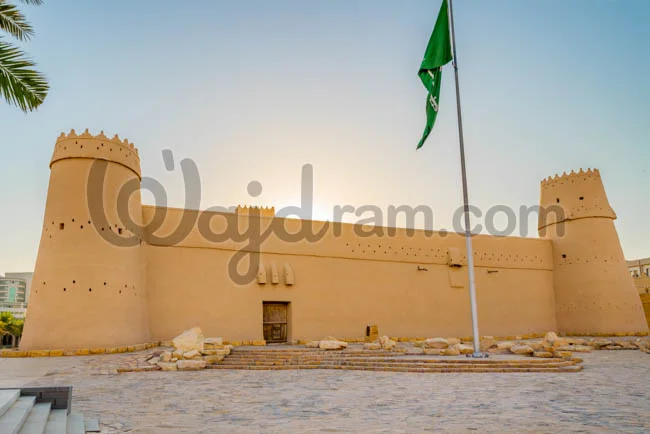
[{"x": 100, "y": 281}]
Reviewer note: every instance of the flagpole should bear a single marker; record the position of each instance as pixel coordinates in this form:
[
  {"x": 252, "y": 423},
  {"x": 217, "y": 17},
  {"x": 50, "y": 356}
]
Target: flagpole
[{"x": 468, "y": 232}]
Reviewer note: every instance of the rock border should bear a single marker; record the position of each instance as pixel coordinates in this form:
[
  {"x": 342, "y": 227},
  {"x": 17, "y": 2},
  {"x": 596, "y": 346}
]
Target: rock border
[{"x": 16, "y": 353}]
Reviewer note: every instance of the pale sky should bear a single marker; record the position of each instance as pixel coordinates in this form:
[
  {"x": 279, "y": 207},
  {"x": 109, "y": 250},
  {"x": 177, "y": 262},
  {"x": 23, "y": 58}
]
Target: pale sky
[{"x": 253, "y": 90}]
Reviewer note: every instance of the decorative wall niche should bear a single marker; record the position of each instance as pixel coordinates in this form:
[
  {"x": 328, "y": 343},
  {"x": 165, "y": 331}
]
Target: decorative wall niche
[
  {"x": 275, "y": 276},
  {"x": 261, "y": 274},
  {"x": 453, "y": 257},
  {"x": 288, "y": 275},
  {"x": 457, "y": 277}
]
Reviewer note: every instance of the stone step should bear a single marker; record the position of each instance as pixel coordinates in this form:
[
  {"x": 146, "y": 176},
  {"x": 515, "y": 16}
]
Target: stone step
[
  {"x": 380, "y": 360},
  {"x": 242, "y": 353},
  {"x": 279, "y": 350},
  {"x": 13, "y": 419},
  {"x": 92, "y": 425},
  {"x": 289, "y": 356},
  {"x": 21, "y": 413},
  {"x": 297, "y": 359},
  {"x": 409, "y": 363},
  {"x": 284, "y": 359},
  {"x": 398, "y": 367},
  {"x": 303, "y": 350},
  {"x": 76, "y": 424},
  {"x": 451, "y": 362},
  {"x": 7, "y": 399},
  {"x": 279, "y": 360},
  {"x": 37, "y": 419},
  {"x": 455, "y": 369},
  {"x": 315, "y": 354},
  {"x": 57, "y": 422},
  {"x": 376, "y": 356}
]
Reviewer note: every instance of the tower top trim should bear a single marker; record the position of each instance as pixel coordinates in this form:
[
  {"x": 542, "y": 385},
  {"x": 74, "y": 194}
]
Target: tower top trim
[
  {"x": 572, "y": 176},
  {"x": 98, "y": 147}
]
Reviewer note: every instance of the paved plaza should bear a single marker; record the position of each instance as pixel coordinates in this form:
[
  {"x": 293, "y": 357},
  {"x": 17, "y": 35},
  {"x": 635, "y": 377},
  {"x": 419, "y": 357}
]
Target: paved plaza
[{"x": 611, "y": 394}]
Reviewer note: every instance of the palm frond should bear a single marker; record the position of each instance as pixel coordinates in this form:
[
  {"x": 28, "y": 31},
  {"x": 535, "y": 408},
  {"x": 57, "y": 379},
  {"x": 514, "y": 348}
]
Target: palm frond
[
  {"x": 13, "y": 22},
  {"x": 32, "y": 2},
  {"x": 20, "y": 84}
]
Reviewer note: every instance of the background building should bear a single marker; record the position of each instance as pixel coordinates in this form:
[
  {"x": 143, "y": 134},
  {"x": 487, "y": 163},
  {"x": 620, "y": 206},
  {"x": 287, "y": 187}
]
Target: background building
[
  {"x": 14, "y": 293},
  {"x": 639, "y": 269}
]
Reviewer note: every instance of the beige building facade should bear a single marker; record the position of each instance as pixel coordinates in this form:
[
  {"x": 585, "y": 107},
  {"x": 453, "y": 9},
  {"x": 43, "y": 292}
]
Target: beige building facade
[
  {"x": 112, "y": 272},
  {"x": 639, "y": 269},
  {"x": 14, "y": 292}
]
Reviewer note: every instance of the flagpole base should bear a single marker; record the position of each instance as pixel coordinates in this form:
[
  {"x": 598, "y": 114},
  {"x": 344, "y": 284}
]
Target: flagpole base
[{"x": 478, "y": 355}]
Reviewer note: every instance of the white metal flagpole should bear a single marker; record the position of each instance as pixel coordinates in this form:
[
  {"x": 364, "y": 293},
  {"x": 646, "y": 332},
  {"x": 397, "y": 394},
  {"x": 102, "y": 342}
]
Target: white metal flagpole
[{"x": 468, "y": 232}]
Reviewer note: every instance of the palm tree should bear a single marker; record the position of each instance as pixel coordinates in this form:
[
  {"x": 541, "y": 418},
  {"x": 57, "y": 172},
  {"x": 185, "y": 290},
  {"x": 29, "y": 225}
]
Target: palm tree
[
  {"x": 10, "y": 325},
  {"x": 20, "y": 84},
  {"x": 17, "y": 327}
]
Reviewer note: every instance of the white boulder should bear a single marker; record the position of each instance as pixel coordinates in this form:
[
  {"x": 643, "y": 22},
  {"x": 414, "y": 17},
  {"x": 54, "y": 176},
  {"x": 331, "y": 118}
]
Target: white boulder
[
  {"x": 436, "y": 343},
  {"x": 332, "y": 345},
  {"x": 521, "y": 349},
  {"x": 191, "y": 365},
  {"x": 387, "y": 343},
  {"x": 189, "y": 340}
]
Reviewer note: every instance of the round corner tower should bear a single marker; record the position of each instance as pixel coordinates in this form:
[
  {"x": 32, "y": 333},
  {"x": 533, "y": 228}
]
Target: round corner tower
[
  {"x": 593, "y": 290},
  {"x": 89, "y": 281}
]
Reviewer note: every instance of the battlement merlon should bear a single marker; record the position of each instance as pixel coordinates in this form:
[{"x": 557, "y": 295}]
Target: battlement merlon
[
  {"x": 99, "y": 147},
  {"x": 581, "y": 175},
  {"x": 255, "y": 210},
  {"x": 573, "y": 196}
]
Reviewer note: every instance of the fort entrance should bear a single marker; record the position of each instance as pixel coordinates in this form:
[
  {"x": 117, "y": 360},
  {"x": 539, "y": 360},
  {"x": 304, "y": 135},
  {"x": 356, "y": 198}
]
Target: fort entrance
[{"x": 275, "y": 324}]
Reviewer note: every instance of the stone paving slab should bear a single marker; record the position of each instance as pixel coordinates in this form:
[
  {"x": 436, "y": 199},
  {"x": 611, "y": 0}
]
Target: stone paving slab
[{"x": 611, "y": 394}]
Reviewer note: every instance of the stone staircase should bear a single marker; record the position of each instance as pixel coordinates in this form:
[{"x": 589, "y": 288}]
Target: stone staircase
[
  {"x": 378, "y": 360},
  {"x": 41, "y": 410}
]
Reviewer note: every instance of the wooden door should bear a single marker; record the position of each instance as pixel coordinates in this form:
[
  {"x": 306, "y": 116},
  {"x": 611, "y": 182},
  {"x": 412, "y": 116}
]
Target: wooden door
[{"x": 275, "y": 322}]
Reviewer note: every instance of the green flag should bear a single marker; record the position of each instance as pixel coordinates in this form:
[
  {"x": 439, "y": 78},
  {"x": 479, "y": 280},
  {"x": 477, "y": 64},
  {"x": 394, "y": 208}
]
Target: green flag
[{"x": 438, "y": 53}]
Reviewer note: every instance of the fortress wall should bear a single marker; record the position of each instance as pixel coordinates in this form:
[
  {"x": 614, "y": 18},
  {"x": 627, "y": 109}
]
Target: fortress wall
[
  {"x": 338, "y": 296},
  {"x": 344, "y": 282},
  {"x": 111, "y": 272},
  {"x": 343, "y": 240}
]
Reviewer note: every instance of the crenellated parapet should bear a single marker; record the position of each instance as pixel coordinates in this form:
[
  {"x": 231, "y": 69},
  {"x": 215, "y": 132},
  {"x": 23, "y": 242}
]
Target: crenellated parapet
[
  {"x": 573, "y": 177},
  {"x": 99, "y": 147},
  {"x": 256, "y": 210},
  {"x": 573, "y": 196}
]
